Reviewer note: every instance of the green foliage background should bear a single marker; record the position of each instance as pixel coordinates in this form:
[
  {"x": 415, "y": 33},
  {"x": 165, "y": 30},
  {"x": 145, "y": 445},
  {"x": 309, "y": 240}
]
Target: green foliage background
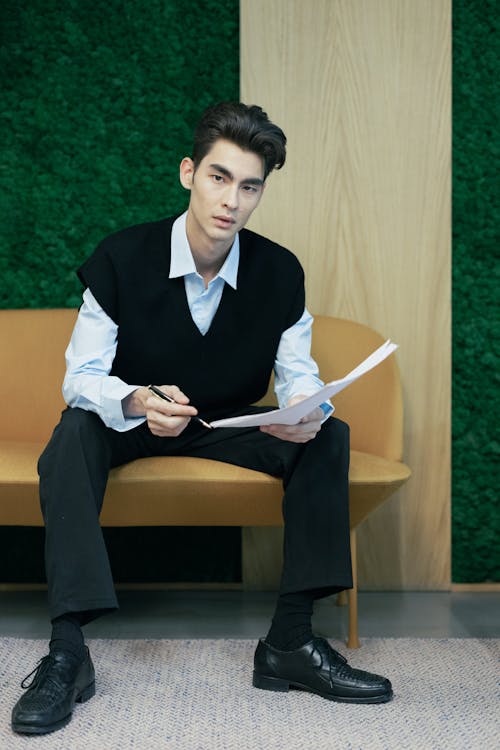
[
  {"x": 98, "y": 102},
  {"x": 476, "y": 276},
  {"x": 97, "y": 106}
]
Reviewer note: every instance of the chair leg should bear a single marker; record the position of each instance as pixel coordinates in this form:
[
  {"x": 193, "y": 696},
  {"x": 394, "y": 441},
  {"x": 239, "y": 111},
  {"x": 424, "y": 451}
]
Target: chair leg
[
  {"x": 352, "y": 597},
  {"x": 341, "y": 600}
]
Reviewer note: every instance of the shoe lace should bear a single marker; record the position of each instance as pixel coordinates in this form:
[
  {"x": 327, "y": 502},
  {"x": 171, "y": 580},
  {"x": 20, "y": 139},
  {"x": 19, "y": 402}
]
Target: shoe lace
[
  {"x": 338, "y": 656},
  {"x": 342, "y": 669},
  {"x": 39, "y": 671}
]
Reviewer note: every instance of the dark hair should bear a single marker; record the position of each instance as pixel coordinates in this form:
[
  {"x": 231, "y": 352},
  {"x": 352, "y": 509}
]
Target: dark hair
[{"x": 248, "y": 126}]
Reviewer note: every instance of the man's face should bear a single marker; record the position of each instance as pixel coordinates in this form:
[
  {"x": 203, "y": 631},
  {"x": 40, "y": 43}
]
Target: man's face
[{"x": 225, "y": 189}]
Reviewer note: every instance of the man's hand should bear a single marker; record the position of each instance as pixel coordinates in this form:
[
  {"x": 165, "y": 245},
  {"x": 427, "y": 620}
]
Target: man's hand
[
  {"x": 164, "y": 419},
  {"x": 305, "y": 430}
]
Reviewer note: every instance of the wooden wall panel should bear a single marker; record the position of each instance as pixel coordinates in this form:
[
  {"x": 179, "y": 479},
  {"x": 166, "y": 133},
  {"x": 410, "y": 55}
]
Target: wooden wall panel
[{"x": 362, "y": 90}]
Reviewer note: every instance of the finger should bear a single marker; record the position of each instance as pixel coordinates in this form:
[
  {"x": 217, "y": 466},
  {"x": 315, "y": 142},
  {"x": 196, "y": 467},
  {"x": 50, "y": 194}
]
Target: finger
[
  {"x": 166, "y": 420},
  {"x": 316, "y": 415},
  {"x": 167, "y": 426},
  {"x": 295, "y": 429},
  {"x": 170, "y": 409},
  {"x": 299, "y": 439},
  {"x": 295, "y": 436},
  {"x": 175, "y": 392}
]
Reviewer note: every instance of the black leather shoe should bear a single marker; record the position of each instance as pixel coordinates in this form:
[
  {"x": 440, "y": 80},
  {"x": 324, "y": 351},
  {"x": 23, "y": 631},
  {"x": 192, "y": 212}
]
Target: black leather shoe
[
  {"x": 59, "y": 681},
  {"x": 317, "y": 668}
]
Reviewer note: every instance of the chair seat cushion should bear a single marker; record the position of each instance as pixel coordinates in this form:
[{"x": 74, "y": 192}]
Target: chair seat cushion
[{"x": 179, "y": 490}]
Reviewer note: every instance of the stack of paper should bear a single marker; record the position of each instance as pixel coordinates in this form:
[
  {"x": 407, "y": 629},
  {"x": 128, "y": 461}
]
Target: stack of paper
[{"x": 293, "y": 414}]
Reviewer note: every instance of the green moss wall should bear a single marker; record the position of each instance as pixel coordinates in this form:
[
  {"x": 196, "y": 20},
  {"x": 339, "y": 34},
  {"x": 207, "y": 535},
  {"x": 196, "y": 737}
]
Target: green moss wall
[
  {"x": 476, "y": 277},
  {"x": 98, "y": 102},
  {"x": 99, "y": 99}
]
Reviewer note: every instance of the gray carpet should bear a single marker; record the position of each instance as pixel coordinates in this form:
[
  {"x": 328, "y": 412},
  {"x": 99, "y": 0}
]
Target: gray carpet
[{"x": 197, "y": 695}]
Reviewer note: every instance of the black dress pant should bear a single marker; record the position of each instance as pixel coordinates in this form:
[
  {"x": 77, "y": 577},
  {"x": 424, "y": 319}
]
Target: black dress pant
[{"x": 74, "y": 470}]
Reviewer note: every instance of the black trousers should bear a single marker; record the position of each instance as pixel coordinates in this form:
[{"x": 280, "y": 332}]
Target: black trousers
[{"x": 74, "y": 470}]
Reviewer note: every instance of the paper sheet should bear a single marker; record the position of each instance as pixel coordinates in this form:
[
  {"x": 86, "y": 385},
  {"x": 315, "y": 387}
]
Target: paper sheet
[{"x": 293, "y": 414}]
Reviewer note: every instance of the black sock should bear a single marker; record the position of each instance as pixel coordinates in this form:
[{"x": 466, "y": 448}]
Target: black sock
[
  {"x": 67, "y": 635},
  {"x": 291, "y": 625}
]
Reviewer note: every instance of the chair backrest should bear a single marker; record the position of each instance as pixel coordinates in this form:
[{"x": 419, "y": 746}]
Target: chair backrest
[
  {"x": 372, "y": 405},
  {"x": 32, "y": 345}
]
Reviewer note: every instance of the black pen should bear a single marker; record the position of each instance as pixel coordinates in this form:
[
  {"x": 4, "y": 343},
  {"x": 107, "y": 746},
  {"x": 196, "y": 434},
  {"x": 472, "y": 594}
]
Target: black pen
[{"x": 160, "y": 394}]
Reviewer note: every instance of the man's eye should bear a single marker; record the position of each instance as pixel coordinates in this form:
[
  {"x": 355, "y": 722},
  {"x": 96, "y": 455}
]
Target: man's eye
[
  {"x": 217, "y": 178},
  {"x": 249, "y": 188}
]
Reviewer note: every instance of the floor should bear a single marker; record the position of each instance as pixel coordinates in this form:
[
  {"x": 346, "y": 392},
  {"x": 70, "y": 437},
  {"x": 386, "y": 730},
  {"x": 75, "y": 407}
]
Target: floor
[{"x": 238, "y": 614}]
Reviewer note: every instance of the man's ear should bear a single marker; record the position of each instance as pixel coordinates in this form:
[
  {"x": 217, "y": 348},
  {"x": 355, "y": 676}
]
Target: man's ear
[{"x": 186, "y": 172}]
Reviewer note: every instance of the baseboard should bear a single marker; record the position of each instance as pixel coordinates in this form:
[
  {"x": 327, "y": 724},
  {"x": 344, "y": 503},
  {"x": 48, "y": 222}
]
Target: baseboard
[
  {"x": 23, "y": 587},
  {"x": 179, "y": 586},
  {"x": 475, "y": 587},
  {"x": 214, "y": 586},
  {"x": 160, "y": 586}
]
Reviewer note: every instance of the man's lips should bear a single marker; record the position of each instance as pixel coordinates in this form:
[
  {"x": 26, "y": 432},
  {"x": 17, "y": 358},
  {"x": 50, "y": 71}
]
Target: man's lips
[{"x": 225, "y": 221}]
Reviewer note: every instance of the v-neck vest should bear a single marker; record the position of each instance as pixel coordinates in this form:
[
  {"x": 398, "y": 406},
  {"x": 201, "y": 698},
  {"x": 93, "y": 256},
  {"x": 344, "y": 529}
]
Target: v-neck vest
[{"x": 158, "y": 342}]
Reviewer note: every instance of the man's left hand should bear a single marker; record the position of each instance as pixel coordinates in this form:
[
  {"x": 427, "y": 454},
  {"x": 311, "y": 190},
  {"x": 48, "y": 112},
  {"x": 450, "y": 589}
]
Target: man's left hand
[{"x": 305, "y": 430}]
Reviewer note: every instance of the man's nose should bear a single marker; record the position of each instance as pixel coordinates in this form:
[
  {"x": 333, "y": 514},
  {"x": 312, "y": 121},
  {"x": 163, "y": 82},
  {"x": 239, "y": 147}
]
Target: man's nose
[{"x": 231, "y": 197}]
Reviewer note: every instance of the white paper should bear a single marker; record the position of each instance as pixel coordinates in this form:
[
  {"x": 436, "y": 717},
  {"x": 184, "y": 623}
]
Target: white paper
[{"x": 293, "y": 414}]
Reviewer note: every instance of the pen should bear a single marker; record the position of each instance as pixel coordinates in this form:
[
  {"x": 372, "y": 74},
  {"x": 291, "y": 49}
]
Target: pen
[{"x": 160, "y": 394}]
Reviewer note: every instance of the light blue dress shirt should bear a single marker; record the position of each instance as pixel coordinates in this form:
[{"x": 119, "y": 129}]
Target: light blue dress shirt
[{"x": 92, "y": 348}]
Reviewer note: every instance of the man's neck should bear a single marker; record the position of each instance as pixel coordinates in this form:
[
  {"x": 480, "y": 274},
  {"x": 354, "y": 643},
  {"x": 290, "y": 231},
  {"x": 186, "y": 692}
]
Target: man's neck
[
  {"x": 209, "y": 255},
  {"x": 207, "y": 270}
]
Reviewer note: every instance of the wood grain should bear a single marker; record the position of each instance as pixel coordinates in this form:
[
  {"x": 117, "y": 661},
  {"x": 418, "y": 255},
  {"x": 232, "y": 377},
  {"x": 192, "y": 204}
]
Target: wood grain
[{"x": 362, "y": 89}]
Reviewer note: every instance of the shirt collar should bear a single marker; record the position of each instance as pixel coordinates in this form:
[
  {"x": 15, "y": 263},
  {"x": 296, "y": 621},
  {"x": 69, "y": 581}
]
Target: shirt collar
[{"x": 182, "y": 261}]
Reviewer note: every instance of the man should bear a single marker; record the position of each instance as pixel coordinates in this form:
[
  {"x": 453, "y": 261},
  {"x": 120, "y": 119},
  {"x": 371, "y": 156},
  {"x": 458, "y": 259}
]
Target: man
[{"x": 204, "y": 310}]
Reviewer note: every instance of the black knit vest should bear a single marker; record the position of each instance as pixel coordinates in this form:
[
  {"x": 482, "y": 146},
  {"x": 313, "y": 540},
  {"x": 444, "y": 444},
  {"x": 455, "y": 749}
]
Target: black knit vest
[{"x": 158, "y": 342}]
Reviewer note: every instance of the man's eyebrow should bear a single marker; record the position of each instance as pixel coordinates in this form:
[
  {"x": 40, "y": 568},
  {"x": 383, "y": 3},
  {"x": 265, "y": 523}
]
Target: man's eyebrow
[{"x": 228, "y": 174}]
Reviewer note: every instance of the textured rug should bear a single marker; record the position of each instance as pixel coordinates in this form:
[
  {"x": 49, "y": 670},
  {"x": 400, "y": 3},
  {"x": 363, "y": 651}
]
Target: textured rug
[{"x": 197, "y": 695}]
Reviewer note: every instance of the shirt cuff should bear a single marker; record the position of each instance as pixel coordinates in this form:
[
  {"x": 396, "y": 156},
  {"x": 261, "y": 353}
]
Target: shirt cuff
[
  {"x": 327, "y": 409},
  {"x": 112, "y": 408}
]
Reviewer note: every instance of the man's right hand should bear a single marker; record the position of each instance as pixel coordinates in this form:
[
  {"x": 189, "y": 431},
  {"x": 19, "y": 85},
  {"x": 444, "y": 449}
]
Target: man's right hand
[{"x": 164, "y": 419}]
